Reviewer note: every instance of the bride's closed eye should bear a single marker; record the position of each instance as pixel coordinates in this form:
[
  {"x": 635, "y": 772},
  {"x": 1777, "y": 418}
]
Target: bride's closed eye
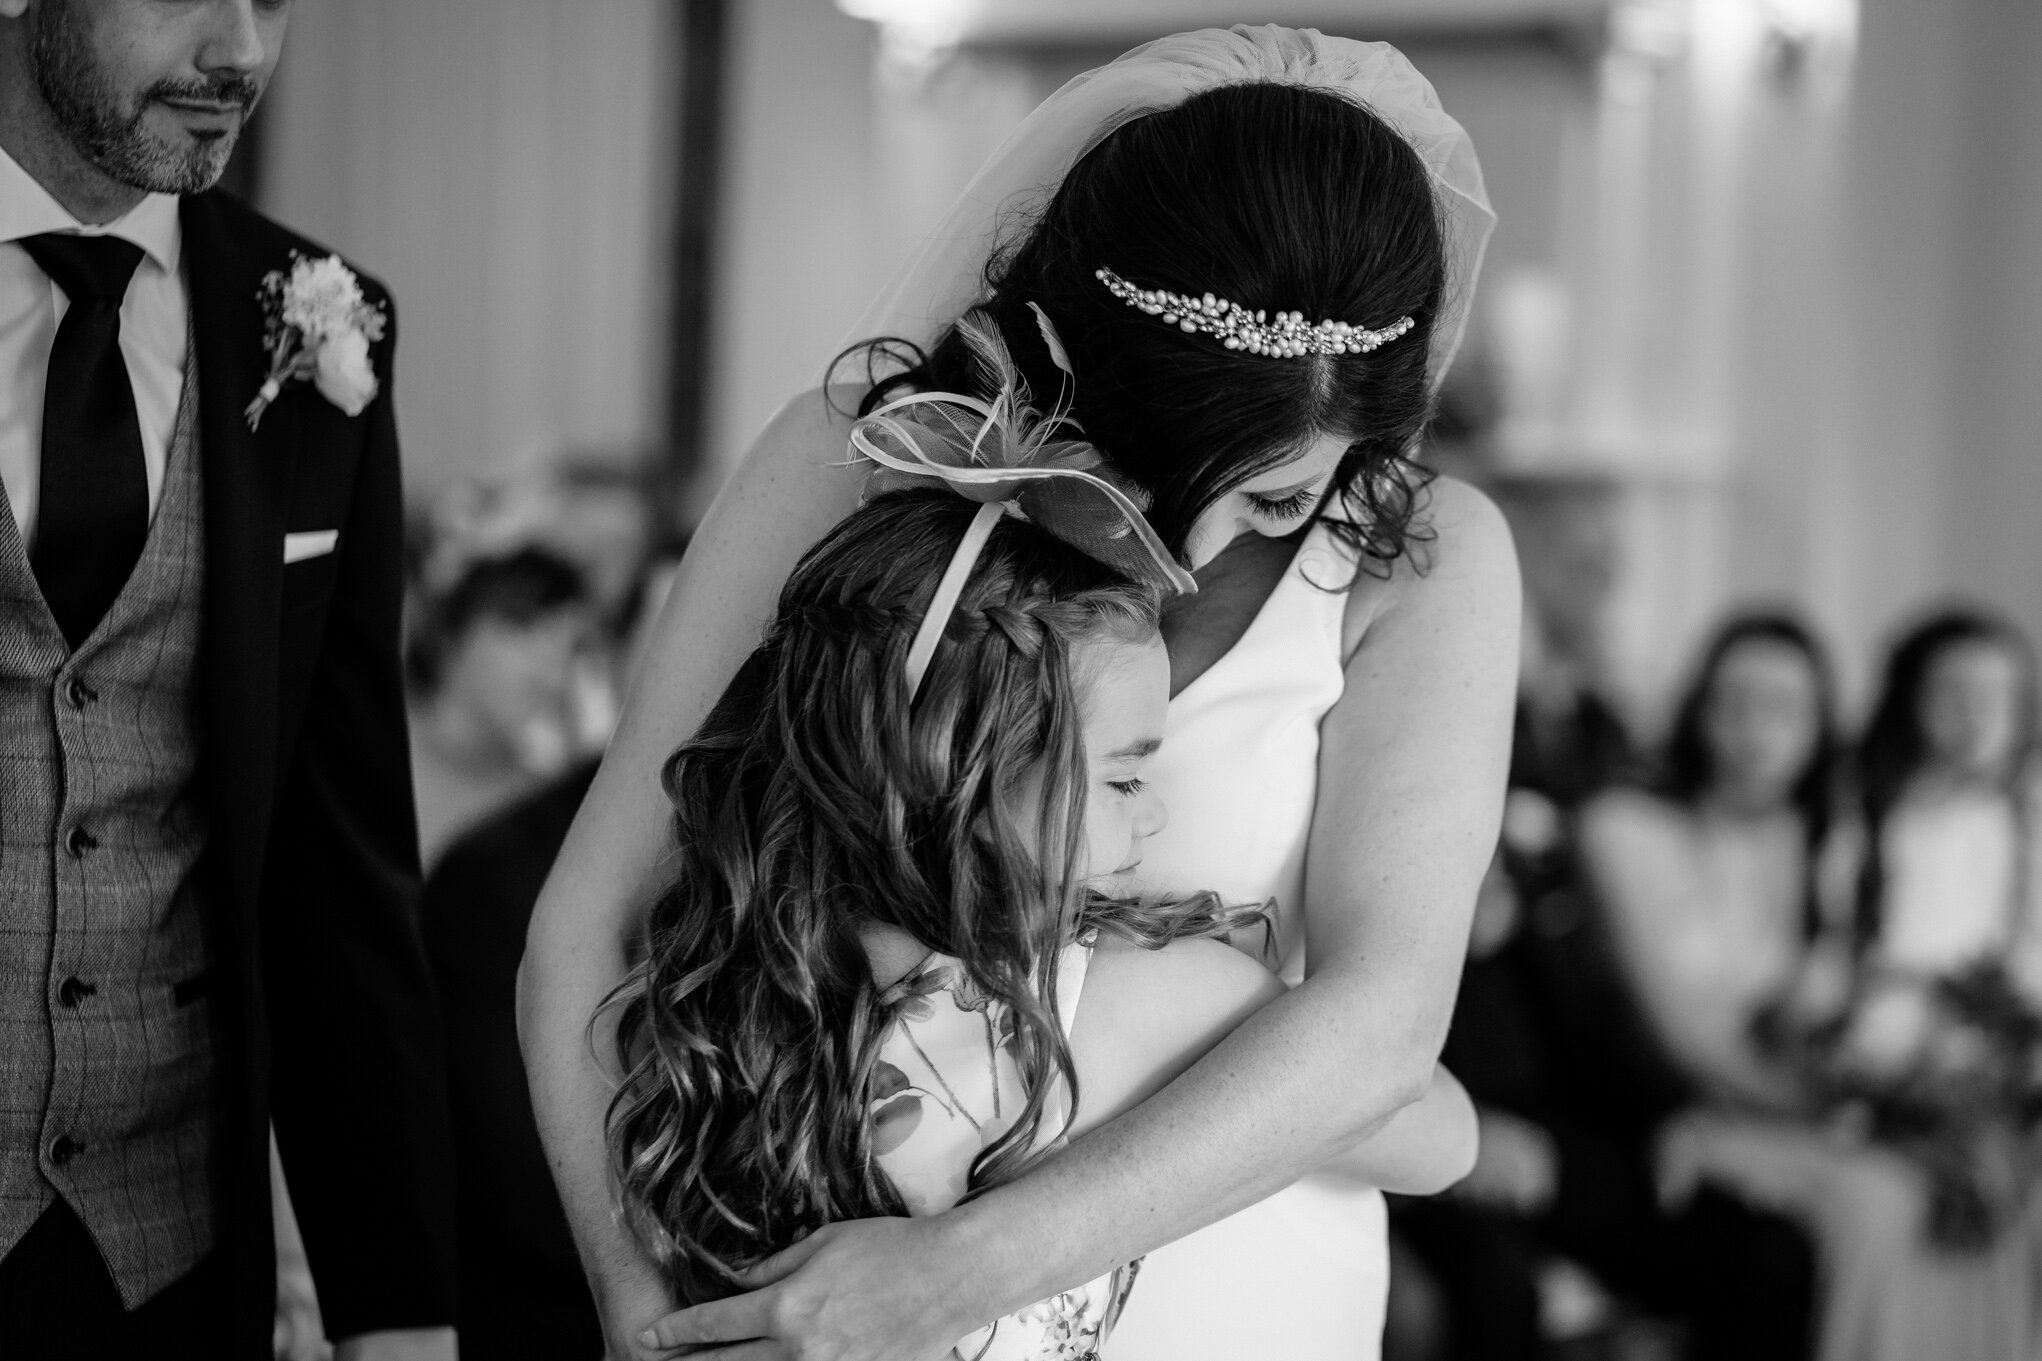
[{"x": 1288, "y": 507}]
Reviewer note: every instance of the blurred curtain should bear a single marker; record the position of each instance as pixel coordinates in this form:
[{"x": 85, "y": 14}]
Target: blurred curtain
[{"x": 508, "y": 167}]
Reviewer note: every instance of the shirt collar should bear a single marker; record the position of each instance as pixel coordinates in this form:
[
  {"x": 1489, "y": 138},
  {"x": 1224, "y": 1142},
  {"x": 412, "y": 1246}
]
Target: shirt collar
[{"x": 26, "y": 209}]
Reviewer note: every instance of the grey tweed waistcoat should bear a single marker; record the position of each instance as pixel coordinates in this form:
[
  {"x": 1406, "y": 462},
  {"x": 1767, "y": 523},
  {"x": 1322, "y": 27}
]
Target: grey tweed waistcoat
[{"x": 108, "y": 1052}]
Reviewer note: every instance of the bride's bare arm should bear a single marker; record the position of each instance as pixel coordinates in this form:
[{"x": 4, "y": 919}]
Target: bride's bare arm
[
  {"x": 1147, "y": 1015},
  {"x": 1412, "y": 766},
  {"x": 784, "y": 498}
]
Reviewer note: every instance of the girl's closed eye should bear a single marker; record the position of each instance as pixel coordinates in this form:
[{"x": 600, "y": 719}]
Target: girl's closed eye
[
  {"x": 1288, "y": 507},
  {"x": 1128, "y": 788}
]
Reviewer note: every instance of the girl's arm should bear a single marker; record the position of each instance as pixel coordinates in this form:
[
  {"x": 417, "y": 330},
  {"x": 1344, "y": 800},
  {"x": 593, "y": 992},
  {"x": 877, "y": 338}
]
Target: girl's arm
[
  {"x": 1413, "y": 760},
  {"x": 783, "y": 499}
]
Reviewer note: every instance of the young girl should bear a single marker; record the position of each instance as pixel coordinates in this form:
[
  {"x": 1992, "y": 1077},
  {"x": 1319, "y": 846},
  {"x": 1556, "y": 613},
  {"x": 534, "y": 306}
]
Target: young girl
[{"x": 866, "y": 991}]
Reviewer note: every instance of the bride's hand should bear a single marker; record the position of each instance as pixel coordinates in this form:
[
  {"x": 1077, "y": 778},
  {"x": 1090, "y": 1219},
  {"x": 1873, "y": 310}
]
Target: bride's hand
[{"x": 862, "y": 1290}]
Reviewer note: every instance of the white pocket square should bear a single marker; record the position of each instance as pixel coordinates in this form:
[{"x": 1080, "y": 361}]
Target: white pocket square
[{"x": 309, "y": 543}]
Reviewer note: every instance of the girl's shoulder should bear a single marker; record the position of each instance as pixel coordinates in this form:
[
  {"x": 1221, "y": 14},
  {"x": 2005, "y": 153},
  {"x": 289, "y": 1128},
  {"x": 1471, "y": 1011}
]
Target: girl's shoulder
[{"x": 1147, "y": 1015}]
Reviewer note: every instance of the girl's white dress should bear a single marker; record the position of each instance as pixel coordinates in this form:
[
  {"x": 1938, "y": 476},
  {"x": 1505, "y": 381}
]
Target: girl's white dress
[
  {"x": 946, "y": 1087},
  {"x": 1302, "y": 1275}
]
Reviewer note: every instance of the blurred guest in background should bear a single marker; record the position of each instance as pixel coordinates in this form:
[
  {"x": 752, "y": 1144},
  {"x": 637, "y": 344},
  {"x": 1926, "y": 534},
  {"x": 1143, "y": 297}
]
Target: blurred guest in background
[
  {"x": 601, "y": 517},
  {"x": 522, "y": 1291},
  {"x": 1714, "y": 879},
  {"x": 1571, "y": 739},
  {"x": 1721, "y": 884},
  {"x": 1561, "y": 1213},
  {"x": 496, "y": 660},
  {"x": 1950, "y": 789}
]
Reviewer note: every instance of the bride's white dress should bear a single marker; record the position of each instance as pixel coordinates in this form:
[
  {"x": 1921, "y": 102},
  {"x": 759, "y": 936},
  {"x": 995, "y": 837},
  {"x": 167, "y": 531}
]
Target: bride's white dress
[{"x": 1302, "y": 1275}]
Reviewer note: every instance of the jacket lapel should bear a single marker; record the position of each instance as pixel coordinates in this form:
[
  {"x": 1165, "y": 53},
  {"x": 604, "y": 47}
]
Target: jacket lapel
[{"x": 245, "y": 497}]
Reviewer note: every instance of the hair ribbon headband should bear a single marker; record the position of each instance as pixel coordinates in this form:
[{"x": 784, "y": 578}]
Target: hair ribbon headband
[{"x": 923, "y": 650}]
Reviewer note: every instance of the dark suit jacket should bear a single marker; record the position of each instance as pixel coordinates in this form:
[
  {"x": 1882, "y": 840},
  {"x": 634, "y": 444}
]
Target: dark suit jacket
[{"x": 315, "y": 855}]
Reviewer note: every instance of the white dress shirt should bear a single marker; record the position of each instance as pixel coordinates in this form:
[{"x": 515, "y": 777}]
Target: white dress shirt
[{"x": 153, "y": 330}]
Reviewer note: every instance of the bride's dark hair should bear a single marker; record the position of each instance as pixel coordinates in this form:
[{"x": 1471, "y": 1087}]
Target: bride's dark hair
[
  {"x": 817, "y": 798},
  {"x": 1277, "y": 197}
]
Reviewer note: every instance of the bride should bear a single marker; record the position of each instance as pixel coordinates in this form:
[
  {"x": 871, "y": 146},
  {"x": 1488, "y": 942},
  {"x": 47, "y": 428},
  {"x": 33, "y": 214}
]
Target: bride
[{"x": 1249, "y": 276}]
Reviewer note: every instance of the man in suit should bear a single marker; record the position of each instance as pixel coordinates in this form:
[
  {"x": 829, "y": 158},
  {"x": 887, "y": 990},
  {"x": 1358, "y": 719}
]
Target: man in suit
[{"x": 207, "y": 857}]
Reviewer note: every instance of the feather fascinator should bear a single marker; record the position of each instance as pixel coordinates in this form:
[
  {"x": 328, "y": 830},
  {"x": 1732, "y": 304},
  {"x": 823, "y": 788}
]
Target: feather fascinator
[{"x": 1005, "y": 452}]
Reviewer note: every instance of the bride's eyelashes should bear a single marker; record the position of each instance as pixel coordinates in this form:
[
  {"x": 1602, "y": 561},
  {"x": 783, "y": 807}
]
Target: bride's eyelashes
[{"x": 1289, "y": 507}]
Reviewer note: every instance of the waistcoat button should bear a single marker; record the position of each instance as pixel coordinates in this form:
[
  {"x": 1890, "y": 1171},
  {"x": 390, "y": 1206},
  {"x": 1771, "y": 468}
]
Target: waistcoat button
[
  {"x": 72, "y": 991},
  {"x": 78, "y": 694},
  {"x": 78, "y": 841},
  {"x": 64, "y": 1149}
]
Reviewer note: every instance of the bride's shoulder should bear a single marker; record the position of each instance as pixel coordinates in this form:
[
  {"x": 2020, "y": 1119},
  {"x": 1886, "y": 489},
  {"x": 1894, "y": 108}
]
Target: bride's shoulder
[
  {"x": 1459, "y": 566},
  {"x": 811, "y": 427},
  {"x": 798, "y": 472}
]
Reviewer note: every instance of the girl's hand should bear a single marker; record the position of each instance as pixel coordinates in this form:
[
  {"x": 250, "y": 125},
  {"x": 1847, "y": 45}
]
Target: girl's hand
[{"x": 862, "y": 1290}]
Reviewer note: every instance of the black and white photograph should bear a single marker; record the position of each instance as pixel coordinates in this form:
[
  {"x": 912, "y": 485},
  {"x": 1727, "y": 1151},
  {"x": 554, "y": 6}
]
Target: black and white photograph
[{"x": 1020, "y": 680}]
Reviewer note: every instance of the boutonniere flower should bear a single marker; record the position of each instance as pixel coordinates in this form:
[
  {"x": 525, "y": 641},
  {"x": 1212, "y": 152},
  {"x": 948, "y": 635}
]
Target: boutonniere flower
[{"x": 317, "y": 325}]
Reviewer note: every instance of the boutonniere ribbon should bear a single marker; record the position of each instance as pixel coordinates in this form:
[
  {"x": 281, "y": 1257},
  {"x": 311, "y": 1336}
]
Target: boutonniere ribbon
[{"x": 317, "y": 325}]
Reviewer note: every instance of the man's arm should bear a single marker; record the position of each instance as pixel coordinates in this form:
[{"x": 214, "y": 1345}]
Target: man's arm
[{"x": 356, "y": 1092}]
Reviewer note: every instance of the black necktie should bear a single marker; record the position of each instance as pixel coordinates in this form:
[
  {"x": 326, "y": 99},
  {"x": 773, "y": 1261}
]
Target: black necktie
[{"x": 92, "y": 512}]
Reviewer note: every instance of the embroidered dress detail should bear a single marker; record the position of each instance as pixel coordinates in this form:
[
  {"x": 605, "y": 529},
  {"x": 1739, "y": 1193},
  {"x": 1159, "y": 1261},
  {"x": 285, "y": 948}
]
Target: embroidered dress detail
[{"x": 947, "y": 1087}]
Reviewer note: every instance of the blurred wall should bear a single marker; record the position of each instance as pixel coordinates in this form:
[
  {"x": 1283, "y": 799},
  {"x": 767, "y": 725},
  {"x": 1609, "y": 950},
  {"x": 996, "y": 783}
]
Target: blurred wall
[
  {"x": 1819, "y": 300},
  {"x": 795, "y": 241},
  {"x": 1807, "y": 328},
  {"x": 1996, "y": 377},
  {"x": 505, "y": 166},
  {"x": 1891, "y": 394}
]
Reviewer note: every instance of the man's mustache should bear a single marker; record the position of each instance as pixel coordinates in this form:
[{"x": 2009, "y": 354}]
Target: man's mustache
[{"x": 236, "y": 90}]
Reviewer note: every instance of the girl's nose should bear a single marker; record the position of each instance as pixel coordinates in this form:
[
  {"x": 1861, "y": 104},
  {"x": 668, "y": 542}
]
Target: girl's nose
[{"x": 1153, "y": 816}]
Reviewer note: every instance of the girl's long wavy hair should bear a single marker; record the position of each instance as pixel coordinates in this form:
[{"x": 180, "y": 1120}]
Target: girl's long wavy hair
[
  {"x": 1275, "y": 196},
  {"x": 819, "y": 796}
]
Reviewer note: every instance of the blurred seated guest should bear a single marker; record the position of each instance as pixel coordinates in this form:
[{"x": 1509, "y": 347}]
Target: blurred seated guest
[
  {"x": 1561, "y": 1208},
  {"x": 1719, "y": 885},
  {"x": 603, "y": 519},
  {"x": 522, "y": 1290},
  {"x": 1949, "y": 785},
  {"x": 496, "y": 660},
  {"x": 523, "y": 1293},
  {"x": 1558, "y": 1233},
  {"x": 1571, "y": 739}
]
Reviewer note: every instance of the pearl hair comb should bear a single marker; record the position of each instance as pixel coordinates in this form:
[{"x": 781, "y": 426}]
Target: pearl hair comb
[{"x": 1289, "y": 336}]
